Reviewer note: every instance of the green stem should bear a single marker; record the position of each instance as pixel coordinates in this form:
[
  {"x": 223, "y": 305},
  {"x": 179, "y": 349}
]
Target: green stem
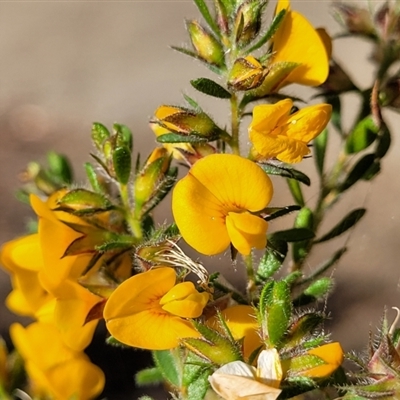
[
  {"x": 235, "y": 123},
  {"x": 251, "y": 279},
  {"x": 133, "y": 223}
]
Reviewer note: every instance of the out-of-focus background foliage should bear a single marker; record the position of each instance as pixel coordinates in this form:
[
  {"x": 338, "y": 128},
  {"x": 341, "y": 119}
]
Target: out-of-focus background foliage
[{"x": 66, "y": 64}]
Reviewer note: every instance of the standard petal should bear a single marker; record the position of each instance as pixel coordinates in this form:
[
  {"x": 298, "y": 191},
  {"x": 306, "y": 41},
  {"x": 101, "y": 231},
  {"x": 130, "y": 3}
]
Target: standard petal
[
  {"x": 238, "y": 183},
  {"x": 246, "y": 231},
  {"x": 297, "y": 41},
  {"x": 200, "y": 216}
]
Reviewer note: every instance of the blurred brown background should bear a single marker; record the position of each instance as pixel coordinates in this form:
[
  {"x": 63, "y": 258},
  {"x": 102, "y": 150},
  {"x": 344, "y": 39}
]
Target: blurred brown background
[{"x": 66, "y": 64}]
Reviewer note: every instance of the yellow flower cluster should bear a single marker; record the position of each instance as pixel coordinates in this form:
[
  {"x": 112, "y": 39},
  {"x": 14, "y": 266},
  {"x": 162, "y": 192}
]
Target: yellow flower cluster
[
  {"x": 46, "y": 288},
  {"x": 221, "y": 203}
]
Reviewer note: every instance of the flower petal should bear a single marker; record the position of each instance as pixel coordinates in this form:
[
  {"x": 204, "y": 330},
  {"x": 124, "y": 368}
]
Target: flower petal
[
  {"x": 151, "y": 329},
  {"x": 242, "y": 322},
  {"x": 184, "y": 301},
  {"x": 331, "y": 354},
  {"x": 308, "y": 123},
  {"x": 246, "y": 231},
  {"x": 216, "y": 185},
  {"x": 296, "y": 40}
]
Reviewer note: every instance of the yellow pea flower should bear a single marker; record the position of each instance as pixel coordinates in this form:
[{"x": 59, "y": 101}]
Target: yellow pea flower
[
  {"x": 274, "y": 132},
  {"x": 297, "y": 41},
  {"x": 55, "y": 371},
  {"x": 214, "y": 204},
  {"x": 22, "y": 258},
  {"x": 242, "y": 323},
  {"x": 239, "y": 381},
  {"x": 319, "y": 362},
  {"x": 150, "y": 311}
]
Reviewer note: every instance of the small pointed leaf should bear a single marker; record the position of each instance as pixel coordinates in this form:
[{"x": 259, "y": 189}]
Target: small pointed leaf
[
  {"x": 359, "y": 171},
  {"x": 346, "y": 223},
  {"x": 176, "y": 138},
  {"x": 99, "y": 134},
  {"x": 362, "y": 136},
  {"x": 207, "y": 86},
  {"x": 294, "y": 234},
  {"x": 166, "y": 364},
  {"x": 122, "y": 164},
  {"x": 277, "y": 212},
  {"x": 273, "y": 258},
  {"x": 286, "y": 172},
  {"x": 319, "y": 149},
  {"x": 295, "y": 190},
  {"x": 205, "y": 12}
]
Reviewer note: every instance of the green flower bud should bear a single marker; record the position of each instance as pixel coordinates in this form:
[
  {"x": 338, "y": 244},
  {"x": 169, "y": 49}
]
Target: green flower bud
[
  {"x": 206, "y": 45},
  {"x": 248, "y": 21},
  {"x": 355, "y": 19},
  {"x": 185, "y": 122},
  {"x": 247, "y": 73},
  {"x": 148, "y": 180}
]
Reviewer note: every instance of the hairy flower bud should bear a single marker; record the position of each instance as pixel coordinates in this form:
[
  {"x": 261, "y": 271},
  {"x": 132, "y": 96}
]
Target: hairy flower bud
[
  {"x": 355, "y": 19},
  {"x": 206, "y": 45},
  {"x": 247, "y": 73},
  {"x": 248, "y": 21}
]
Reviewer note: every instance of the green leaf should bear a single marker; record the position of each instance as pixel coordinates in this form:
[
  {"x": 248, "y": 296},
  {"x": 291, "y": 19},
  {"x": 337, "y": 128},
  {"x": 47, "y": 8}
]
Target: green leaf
[
  {"x": 294, "y": 234},
  {"x": 384, "y": 141},
  {"x": 359, "y": 171},
  {"x": 325, "y": 265},
  {"x": 278, "y": 312},
  {"x": 295, "y": 190},
  {"x": 192, "y": 103},
  {"x": 176, "y": 138},
  {"x": 362, "y": 136},
  {"x": 148, "y": 376},
  {"x": 122, "y": 164},
  {"x": 124, "y": 137},
  {"x": 286, "y": 172},
  {"x": 99, "y": 134},
  {"x": 60, "y": 167},
  {"x": 81, "y": 198},
  {"x": 336, "y": 118},
  {"x": 273, "y": 258},
  {"x": 207, "y": 86},
  {"x": 346, "y": 223},
  {"x": 319, "y": 149},
  {"x": 277, "y": 212},
  {"x": 304, "y": 219},
  {"x": 93, "y": 178},
  {"x": 314, "y": 292},
  {"x": 165, "y": 361},
  {"x": 195, "y": 377},
  {"x": 301, "y": 328},
  {"x": 205, "y": 12},
  {"x": 269, "y": 33}
]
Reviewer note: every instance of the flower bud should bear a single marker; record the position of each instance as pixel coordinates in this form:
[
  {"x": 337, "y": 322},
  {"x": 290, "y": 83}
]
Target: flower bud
[
  {"x": 247, "y": 73},
  {"x": 207, "y": 47},
  {"x": 149, "y": 179},
  {"x": 355, "y": 19},
  {"x": 319, "y": 362},
  {"x": 248, "y": 21},
  {"x": 389, "y": 94},
  {"x": 185, "y": 122}
]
